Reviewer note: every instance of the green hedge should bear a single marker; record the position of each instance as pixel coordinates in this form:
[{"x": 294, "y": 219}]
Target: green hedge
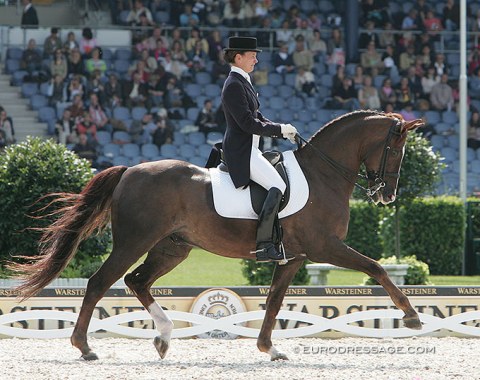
[
  {"x": 363, "y": 229},
  {"x": 417, "y": 272},
  {"x": 433, "y": 229}
]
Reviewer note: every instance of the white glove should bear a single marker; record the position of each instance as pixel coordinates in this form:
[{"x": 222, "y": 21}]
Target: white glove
[{"x": 289, "y": 132}]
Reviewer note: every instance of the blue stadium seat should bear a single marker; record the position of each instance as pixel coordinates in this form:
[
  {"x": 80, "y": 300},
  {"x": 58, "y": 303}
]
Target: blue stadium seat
[
  {"x": 120, "y": 161},
  {"x": 168, "y": 151},
  {"x": 12, "y": 65},
  {"x": 266, "y": 91},
  {"x": 277, "y": 103},
  {"x": 132, "y": 161},
  {"x": 197, "y": 160},
  {"x": 38, "y": 101},
  {"x": 121, "y": 66},
  {"x": 150, "y": 151},
  {"x": 295, "y": 103},
  {"x": 305, "y": 116},
  {"x": 104, "y": 137},
  {"x": 121, "y": 137},
  {"x": 449, "y": 154},
  {"x": 212, "y": 90},
  {"x": 285, "y": 91},
  {"x": 178, "y": 138},
  {"x": 326, "y": 80},
  {"x": 286, "y": 115},
  {"x": 275, "y": 79},
  {"x": 193, "y": 90},
  {"x": 453, "y": 141},
  {"x": 46, "y": 114},
  {"x": 111, "y": 150},
  {"x": 449, "y": 117},
  {"x": 123, "y": 54},
  {"x": 442, "y": 128},
  {"x": 138, "y": 113},
  {"x": 308, "y": 6},
  {"x": 192, "y": 113},
  {"x": 470, "y": 154},
  {"x": 290, "y": 79},
  {"x": 14, "y": 53},
  {"x": 130, "y": 150},
  {"x": 29, "y": 89},
  {"x": 17, "y": 77},
  {"x": 204, "y": 150},
  {"x": 324, "y": 115},
  {"x": 187, "y": 151},
  {"x": 121, "y": 113},
  {"x": 203, "y": 78},
  {"x": 162, "y": 17},
  {"x": 196, "y": 138},
  {"x": 475, "y": 166},
  {"x": 269, "y": 113},
  {"x": 437, "y": 141},
  {"x": 433, "y": 117},
  {"x": 214, "y": 137}
]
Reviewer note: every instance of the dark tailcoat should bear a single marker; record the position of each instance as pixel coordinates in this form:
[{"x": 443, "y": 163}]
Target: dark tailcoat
[
  {"x": 240, "y": 104},
  {"x": 30, "y": 18}
]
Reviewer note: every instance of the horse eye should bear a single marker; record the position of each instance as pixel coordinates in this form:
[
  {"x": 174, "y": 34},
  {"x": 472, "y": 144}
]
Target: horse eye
[{"x": 395, "y": 153}]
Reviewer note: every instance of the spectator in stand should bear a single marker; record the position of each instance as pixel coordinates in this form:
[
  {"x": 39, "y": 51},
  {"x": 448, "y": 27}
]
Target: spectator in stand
[
  {"x": 113, "y": 92},
  {"x": 6, "y": 129},
  {"x": 176, "y": 61},
  {"x": 314, "y": 22},
  {"x": 77, "y": 108},
  {"x": 451, "y": 15},
  {"x": 160, "y": 51},
  {"x": 336, "y": 48},
  {"x": 85, "y": 126},
  {"x": 371, "y": 60},
  {"x": 29, "y": 15},
  {"x": 440, "y": 65},
  {"x": 283, "y": 61},
  {"x": 358, "y": 77},
  {"x": 140, "y": 68},
  {"x": 293, "y": 17},
  {"x": 318, "y": 46},
  {"x": 195, "y": 36},
  {"x": 474, "y": 84},
  {"x": 220, "y": 69},
  {"x": 87, "y": 42},
  {"x": 264, "y": 34},
  {"x": 177, "y": 37},
  {"x": 368, "y": 95},
  {"x": 65, "y": 129},
  {"x": 75, "y": 88},
  {"x": 474, "y": 131},
  {"x": 188, "y": 18},
  {"x": 70, "y": 44},
  {"x": 411, "y": 20},
  {"x": 345, "y": 97},
  {"x": 206, "y": 119},
  {"x": 134, "y": 17},
  {"x": 374, "y": 11},
  {"x": 304, "y": 30},
  {"x": 75, "y": 64},
  {"x": 422, "y": 7},
  {"x": 58, "y": 65},
  {"x": 422, "y": 40},
  {"x": 84, "y": 149},
  {"x": 474, "y": 59},
  {"x": 156, "y": 90},
  {"x": 96, "y": 62},
  {"x": 390, "y": 62},
  {"x": 56, "y": 91},
  {"x": 284, "y": 35},
  {"x": 415, "y": 82},
  {"x": 197, "y": 58},
  {"x": 407, "y": 112},
  {"x": 368, "y": 36},
  {"x": 428, "y": 81},
  {"x": 387, "y": 93},
  {"x": 301, "y": 56},
  {"x": 432, "y": 23},
  {"x": 135, "y": 92},
  {"x": 150, "y": 62},
  {"x": 387, "y": 37},
  {"x": 407, "y": 59},
  {"x": 276, "y": 15},
  {"x": 97, "y": 114},
  {"x": 441, "y": 96},
  {"x": 142, "y": 130},
  {"x": 476, "y": 22},
  {"x": 163, "y": 134},
  {"x": 426, "y": 57},
  {"x": 157, "y": 34},
  {"x": 31, "y": 60},
  {"x": 215, "y": 45},
  {"x": 404, "y": 94},
  {"x": 305, "y": 82},
  {"x": 52, "y": 43},
  {"x": 338, "y": 78}
]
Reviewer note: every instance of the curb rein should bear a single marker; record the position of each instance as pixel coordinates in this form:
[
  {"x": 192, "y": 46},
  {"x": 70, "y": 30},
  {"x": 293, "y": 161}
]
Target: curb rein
[{"x": 376, "y": 176}]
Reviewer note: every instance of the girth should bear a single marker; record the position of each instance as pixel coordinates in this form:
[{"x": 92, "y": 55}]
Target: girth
[{"x": 257, "y": 192}]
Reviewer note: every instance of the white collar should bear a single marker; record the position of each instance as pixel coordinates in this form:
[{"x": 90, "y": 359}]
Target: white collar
[
  {"x": 27, "y": 7},
  {"x": 242, "y": 72}
]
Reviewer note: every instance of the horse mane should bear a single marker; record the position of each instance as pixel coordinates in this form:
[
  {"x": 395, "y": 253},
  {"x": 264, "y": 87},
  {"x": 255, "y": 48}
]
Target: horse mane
[{"x": 357, "y": 114}]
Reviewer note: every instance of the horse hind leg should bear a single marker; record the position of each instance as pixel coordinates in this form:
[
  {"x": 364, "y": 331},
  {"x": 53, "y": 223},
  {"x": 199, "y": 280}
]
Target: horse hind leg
[
  {"x": 282, "y": 278},
  {"x": 160, "y": 260}
]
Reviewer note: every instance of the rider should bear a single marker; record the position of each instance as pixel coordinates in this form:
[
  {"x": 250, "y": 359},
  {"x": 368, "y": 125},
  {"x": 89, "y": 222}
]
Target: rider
[{"x": 245, "y": 125}]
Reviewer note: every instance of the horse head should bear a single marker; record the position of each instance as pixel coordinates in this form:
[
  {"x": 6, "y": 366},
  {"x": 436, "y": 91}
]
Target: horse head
[{"x": 383, "y": 163}]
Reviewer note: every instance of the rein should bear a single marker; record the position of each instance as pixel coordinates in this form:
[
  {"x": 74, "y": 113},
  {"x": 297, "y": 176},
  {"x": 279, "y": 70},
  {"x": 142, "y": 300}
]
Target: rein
[{"x": 378, "y": 177}]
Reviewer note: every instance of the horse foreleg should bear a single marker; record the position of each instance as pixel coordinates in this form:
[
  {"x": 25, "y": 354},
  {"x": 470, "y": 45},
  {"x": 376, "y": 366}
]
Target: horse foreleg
[
  {"x": 344, "y": 256},
  {"x": 99, "y": 283},
  {"x": 160, "y": 260},
  {"x": 282, "y": 277}
]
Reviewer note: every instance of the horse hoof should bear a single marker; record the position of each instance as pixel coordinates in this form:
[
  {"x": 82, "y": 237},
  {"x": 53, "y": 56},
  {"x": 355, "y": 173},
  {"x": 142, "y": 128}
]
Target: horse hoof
[
  {"x": 279, "y": 356},
  {"x": 412, "y": 323},
  {"x": 161, "y": 345},
  {"x": 90, "y": 356}
]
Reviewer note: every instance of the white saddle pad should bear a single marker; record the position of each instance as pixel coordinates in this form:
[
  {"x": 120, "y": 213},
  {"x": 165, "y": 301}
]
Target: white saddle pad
[{"x": 235, "y": 203}]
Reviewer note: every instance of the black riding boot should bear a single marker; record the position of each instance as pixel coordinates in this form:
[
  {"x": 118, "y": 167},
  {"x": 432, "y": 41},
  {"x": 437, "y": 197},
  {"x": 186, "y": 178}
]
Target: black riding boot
[{"x": 266, "y": 250}]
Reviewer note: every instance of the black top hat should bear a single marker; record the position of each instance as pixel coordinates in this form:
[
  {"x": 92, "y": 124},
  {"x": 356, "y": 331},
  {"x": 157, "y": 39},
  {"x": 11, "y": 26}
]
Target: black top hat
[{"x": 242, "y": 44}]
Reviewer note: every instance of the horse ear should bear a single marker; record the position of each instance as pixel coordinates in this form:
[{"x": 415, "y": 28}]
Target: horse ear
[{"x": 413, "y": 124}]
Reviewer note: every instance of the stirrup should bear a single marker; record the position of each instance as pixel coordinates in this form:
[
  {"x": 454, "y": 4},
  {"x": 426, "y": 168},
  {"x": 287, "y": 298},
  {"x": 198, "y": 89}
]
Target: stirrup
[{"x": 262, "y": 255}]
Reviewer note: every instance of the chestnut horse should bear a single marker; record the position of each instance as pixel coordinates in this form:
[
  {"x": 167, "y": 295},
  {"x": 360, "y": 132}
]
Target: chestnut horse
[{"x": 166, "y": 208}]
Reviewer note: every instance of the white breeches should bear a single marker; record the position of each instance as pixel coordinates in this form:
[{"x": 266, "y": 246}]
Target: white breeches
[{"x": 263, "y": 173}]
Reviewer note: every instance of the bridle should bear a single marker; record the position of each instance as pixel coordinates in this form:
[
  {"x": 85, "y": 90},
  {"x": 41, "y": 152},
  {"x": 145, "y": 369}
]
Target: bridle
[{"x": 377, "y": 177}]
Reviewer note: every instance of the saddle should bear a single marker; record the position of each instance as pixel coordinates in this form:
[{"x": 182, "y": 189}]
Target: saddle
[{"x": 257, "y": 192}]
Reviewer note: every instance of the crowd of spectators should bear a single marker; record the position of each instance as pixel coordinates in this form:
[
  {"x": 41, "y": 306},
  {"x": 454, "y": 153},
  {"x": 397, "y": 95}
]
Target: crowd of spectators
[{"x": 401, "y": 72}]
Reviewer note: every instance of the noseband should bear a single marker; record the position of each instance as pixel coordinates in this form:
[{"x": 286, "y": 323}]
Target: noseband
[{"x": 378, "y": 177}]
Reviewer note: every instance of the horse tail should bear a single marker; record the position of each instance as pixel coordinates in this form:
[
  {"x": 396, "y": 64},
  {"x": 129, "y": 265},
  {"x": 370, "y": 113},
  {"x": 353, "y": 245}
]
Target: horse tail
[{"x": 80, "y": 215}]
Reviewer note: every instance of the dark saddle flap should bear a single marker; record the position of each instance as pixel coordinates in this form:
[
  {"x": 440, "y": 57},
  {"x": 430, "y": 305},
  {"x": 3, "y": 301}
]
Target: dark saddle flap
[{"x": 257, "y": 192}]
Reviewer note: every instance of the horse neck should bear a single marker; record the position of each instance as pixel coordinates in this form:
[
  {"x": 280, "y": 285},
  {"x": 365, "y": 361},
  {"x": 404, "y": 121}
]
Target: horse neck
[{"x": 343, "y": 144}]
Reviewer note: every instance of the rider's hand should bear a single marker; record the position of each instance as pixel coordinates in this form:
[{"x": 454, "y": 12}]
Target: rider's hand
[{"x": 289, "y": 132}]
